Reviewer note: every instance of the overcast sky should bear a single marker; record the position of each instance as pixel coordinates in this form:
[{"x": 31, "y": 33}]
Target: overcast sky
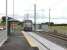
[{"x": 58, "y": 8}]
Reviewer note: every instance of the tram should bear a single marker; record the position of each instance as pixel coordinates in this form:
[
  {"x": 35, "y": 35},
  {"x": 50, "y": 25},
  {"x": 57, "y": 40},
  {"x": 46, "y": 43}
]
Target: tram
[{"x": 27, "y": 26}]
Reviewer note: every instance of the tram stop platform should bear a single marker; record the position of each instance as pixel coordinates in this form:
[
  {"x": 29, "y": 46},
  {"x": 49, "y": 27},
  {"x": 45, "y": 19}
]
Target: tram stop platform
[{"x": 16, "y": 41}]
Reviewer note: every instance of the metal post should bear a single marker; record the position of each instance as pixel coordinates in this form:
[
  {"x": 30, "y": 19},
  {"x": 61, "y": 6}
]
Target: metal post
[
  {"x": 27, "y": 16},
  {"x": 13, "y": 8},
  {"x": 49, "y": 16},
  {"x": 6, "y": 18},
  {"x": 13, "y": 16},
  {"x": 34, "y": 17}
]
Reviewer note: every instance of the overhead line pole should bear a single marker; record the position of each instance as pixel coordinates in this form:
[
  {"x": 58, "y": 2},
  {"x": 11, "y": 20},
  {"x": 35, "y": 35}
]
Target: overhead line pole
[
  {"x": 13, "y": 8},
  {"x": 13, "y": 16},
  {"x": 49, "y": 16},
  {"x": 35, "y": 17},
  {"x": 6, "y": 17}
]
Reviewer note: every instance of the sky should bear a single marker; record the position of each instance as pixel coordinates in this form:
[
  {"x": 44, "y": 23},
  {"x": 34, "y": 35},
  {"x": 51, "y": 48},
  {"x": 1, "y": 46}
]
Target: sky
[{"x": 58, "y": 8}]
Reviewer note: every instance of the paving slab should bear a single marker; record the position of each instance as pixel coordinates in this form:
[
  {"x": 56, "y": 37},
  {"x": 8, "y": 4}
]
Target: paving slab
[{"x": 16, "y": 42}]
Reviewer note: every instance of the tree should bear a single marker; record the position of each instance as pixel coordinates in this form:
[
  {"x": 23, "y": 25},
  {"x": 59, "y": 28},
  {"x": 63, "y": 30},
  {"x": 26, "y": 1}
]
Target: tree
[
  {"x": 3, "y": 22},
  {"x": 51, "y": 23},
  {"x": 3, "y": 19}
]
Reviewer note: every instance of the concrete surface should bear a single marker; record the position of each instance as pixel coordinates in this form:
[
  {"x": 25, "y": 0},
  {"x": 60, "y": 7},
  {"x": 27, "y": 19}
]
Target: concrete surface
[
  {"x": 45, "y": 42},
  {"x": 3, "y": 37},
  {"x": 16, "y": 42},
  {"x": 54, "y": 39}
]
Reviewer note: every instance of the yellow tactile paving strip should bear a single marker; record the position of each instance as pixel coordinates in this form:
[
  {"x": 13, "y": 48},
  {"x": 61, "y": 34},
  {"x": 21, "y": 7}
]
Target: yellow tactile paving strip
[{"x": 29, "y": 39}]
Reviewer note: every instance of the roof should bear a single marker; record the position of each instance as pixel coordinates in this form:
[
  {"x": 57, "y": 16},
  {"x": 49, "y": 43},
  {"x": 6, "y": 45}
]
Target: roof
[{"x": 28, "y": 21}]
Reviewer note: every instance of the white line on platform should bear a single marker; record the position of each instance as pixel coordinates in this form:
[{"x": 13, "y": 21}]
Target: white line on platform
[{"x": 46, "y": 42}]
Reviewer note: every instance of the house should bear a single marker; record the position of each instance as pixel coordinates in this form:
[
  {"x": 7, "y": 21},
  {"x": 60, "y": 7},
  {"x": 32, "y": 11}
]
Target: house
[
  {"x": 41, "y": 27},
  {"x": 44, "y": 27}
]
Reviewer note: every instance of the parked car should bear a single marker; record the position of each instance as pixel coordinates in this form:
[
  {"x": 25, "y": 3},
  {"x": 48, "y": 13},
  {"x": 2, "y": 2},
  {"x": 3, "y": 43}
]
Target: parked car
[{"x": 2, "y": 28}]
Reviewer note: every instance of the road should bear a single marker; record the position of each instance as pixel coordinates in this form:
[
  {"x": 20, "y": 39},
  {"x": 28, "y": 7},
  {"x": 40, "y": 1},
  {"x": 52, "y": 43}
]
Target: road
[{"x": 16, "y": 42}]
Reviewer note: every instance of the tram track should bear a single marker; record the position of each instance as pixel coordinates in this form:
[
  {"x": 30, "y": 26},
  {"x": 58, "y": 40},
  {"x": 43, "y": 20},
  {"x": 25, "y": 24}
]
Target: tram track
[{"x": 58, "y": 35}]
